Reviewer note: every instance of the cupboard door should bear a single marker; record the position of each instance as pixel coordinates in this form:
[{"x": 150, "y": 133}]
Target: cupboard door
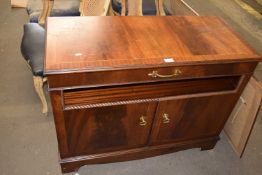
[
  {"x": 111, "y": 128},
  {"x": 190, "y": 118}
]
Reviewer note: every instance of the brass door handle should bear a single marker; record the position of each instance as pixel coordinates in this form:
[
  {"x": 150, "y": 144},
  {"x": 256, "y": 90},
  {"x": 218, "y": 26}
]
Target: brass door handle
[
  {"x": 166, "y": 118},
  {"x": 155, "y": 74},
  {"x": 142, "y": 121}
]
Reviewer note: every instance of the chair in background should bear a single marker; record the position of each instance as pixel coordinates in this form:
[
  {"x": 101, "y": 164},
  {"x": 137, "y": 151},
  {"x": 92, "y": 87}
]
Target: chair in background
[
  {"x": 59, "y": 8},
  {"x": 94, "y": 7},
  {"x": 32, "y": 48},
  {"x": 33, "y": 41},
  {"x": 151, "y": 7},
  {"x": 135, "y": 7}
]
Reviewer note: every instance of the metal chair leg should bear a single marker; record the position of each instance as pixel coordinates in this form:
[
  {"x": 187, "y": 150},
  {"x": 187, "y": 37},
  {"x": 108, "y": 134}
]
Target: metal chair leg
[{"x": 38, "y": 83}]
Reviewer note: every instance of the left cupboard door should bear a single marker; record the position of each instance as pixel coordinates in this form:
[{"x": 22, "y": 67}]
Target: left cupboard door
[{"x": 106, "y": 129}]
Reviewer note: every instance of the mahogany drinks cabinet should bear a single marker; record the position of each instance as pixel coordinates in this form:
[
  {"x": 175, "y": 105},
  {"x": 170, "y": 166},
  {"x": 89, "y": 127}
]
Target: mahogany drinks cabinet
[{"x": 126, "y": 88}]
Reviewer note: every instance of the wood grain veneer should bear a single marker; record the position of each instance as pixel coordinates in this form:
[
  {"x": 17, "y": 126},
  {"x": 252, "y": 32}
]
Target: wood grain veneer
[{"x": 92, "y": 43}]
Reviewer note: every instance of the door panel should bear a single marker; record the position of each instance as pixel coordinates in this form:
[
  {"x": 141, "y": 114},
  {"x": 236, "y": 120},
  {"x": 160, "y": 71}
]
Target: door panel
[
  {"x": 191, "y": 118},
  {"x": 103, "y": 129}
]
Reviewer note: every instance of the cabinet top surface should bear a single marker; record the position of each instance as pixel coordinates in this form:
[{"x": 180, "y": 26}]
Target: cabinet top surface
[{"x": 107, "y": 43}]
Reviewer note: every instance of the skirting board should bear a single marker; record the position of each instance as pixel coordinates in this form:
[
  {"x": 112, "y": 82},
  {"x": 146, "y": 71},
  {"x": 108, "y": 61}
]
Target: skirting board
[
  {"x": 242, "y": 119},
  {"x": 19, "y": 3}
]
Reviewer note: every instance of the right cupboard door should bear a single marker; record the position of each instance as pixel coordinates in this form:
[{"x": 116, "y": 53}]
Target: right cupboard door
[{"x": 188, "y": 118}]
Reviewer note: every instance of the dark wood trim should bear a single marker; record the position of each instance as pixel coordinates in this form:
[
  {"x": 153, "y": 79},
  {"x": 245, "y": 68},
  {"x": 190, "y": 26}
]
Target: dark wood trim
[
  {"x": 255, "y": 59},
  {"x": 74, "y": 163},
  {"x": 57, "y": 106}
]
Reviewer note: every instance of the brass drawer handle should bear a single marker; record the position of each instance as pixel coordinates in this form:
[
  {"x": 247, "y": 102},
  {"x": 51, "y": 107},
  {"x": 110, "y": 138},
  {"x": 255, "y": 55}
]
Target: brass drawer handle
[
  {"x": 166, "y": 118},
  {"x": 155, "y": 74},
  {"x": 142, "y": 121}
]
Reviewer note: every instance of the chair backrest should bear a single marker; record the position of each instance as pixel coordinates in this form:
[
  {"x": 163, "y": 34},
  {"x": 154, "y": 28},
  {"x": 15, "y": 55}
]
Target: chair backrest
[
  {"x": 176, "y": 7},
  {"x": 135, "y": 7},
  {"x": 94, "y": 7},
  {"x": 87, "y": 8}
]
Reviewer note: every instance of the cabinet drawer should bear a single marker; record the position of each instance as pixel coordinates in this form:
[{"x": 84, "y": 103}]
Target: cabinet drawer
[
  {"x": 90, "y": 97},
  {"x": 132, "y": 76}
]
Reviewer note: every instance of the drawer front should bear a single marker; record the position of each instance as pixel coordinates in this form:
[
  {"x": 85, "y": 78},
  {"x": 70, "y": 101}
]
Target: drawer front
[
  {"x": 102, "y": 78},
  {"x": 91, "y": 97}
]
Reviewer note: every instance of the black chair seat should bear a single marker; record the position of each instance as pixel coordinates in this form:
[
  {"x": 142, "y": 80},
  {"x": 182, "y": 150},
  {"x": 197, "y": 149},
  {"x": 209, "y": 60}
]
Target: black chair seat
[
  {"x": 148, "y": 7},
  {"x": 116, "y": 5},
  {"x": 33, "y": 46}
]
